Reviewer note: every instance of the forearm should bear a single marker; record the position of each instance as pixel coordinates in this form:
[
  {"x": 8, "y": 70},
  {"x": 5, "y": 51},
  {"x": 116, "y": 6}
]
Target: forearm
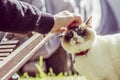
[{"x": 20, "y": 17}]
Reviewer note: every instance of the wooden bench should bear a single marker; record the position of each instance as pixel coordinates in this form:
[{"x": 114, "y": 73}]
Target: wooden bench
[{"x": 12, "y": 60}]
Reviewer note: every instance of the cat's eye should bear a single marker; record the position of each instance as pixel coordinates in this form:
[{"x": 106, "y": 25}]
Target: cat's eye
[
  {"x": 69, "y": 35},
  {"x": 80, "y": 31}
]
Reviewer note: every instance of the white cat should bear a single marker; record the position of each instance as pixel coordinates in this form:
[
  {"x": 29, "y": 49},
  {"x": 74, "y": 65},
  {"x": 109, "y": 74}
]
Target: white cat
[{"x": 96, "y": 57}]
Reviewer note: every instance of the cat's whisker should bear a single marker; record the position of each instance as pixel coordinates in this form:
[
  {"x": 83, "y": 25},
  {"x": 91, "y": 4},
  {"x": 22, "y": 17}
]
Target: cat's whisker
[{"x": 60, "y": 35}]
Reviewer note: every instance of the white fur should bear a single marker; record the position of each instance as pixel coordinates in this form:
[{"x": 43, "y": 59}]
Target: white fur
[
  {"x": 103, "y": 59},
  {"x": 74, "y": 48}
]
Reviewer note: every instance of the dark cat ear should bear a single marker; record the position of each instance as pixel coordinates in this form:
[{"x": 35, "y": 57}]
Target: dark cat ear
[{"x": 89, "y": 22}]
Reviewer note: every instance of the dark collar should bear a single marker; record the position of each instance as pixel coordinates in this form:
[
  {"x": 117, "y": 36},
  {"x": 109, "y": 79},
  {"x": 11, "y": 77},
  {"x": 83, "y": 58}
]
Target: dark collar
[{"x": 82, "y": 53}]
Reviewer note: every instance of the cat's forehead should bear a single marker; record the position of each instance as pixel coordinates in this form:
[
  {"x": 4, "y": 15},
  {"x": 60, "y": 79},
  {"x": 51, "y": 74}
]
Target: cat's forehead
[
  {"x": 76, "y": 27},
  {"x": 82, "y": 25}
]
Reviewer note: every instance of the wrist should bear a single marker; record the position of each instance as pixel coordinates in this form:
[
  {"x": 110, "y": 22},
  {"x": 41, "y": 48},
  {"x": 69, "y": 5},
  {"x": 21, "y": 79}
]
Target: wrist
[{"x": 45, "y": 23}]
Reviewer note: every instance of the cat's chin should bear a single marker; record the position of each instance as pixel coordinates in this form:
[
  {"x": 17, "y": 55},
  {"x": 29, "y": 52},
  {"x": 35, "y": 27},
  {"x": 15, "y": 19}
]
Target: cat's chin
[
  {"x": 76, "y": 48},
  {"x": 70, "y": 48}
]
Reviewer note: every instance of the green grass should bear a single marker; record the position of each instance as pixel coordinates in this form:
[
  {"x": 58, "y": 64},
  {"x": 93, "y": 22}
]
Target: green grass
[
  {"x": 56, "y": 78},
  {"x": 50, "y": 76}
]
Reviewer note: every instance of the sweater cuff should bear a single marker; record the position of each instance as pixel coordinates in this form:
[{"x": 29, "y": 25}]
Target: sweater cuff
[{"x": 45, "y": 23}]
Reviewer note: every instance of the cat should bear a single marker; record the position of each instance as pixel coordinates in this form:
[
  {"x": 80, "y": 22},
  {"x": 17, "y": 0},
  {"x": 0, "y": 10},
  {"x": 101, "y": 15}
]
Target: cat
[{"x": 96, "y": 57}]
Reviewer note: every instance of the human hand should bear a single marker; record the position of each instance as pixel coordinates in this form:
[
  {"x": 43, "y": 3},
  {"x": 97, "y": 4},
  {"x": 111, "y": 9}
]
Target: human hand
[{"x": 64, "y": 19}]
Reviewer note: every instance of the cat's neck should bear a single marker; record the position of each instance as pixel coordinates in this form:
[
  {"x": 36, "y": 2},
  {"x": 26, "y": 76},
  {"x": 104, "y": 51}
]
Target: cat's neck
[
  {"x": 82, "y": 53},
  {"x": 86, "y": 50}
]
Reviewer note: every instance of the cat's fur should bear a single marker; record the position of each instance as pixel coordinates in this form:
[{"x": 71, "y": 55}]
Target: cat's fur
[{"x": 102, "y": 61}]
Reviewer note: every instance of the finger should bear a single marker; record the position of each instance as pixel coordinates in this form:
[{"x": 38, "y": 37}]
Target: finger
[
  {"x": 75, "y": 23},
  {"x": 64, "y": 13},
  {"x": 78, "y": 19},
  {"x": 63, "y": 29}
]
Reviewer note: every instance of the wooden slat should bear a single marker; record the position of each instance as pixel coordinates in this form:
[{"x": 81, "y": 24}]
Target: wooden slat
[
  {"x": 21, "y": 55},
  {"x": 9, "y": 42},
  {"x": 1, "y": 61},
  {"x": 1, "y": 58},
  {"x": 7, "y": 46},
  {"x": 6, "y": 50},
  {"x": 4, "y": 54}
]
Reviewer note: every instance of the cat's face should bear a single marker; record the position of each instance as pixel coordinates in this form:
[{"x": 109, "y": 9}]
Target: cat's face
[{"x": 78, "y": 38}]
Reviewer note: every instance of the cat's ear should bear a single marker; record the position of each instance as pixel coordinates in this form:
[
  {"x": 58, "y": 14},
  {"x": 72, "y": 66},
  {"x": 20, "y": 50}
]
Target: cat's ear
[{"x": 89, "y": 22}]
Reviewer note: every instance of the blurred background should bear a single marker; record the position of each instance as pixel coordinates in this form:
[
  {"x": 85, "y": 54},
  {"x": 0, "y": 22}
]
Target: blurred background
[{"x": 106, "y": 20}]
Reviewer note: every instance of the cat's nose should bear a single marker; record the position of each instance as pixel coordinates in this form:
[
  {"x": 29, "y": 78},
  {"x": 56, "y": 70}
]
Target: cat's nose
[{"x": 75, "y": 39}]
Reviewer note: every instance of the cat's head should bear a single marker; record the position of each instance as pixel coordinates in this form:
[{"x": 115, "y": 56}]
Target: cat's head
[{"x": 78, "y": 38}]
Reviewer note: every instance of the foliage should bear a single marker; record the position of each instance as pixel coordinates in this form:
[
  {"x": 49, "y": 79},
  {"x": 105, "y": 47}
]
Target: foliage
[{"x": 50, "y": 76}]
